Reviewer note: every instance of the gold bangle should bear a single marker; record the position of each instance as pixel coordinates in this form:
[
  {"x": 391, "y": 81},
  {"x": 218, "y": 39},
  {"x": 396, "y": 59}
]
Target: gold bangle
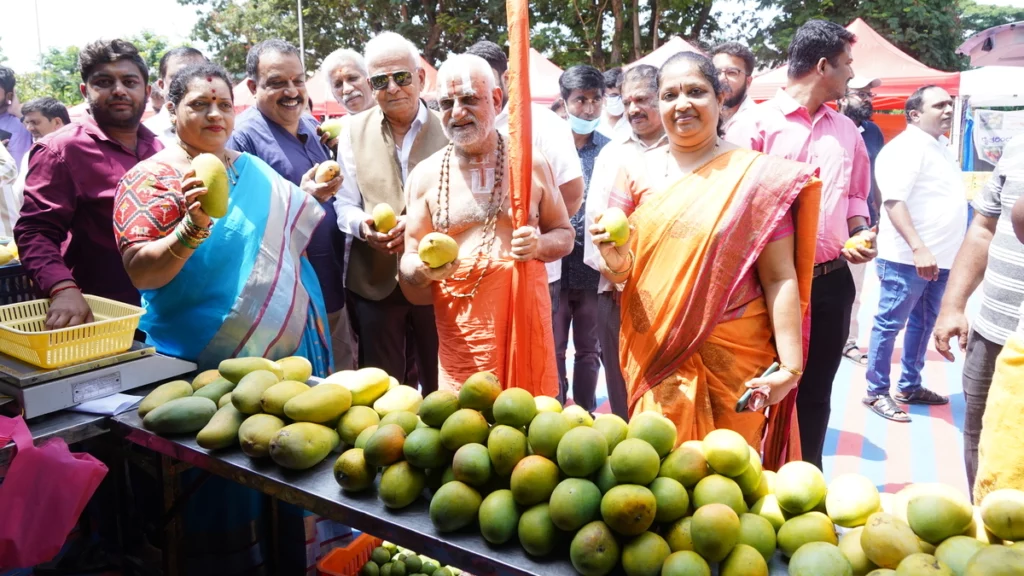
[
  {"x": 171, "y": 250},
  {"x": 632, "y": 259},
  {"x": 792, "y": 371}
]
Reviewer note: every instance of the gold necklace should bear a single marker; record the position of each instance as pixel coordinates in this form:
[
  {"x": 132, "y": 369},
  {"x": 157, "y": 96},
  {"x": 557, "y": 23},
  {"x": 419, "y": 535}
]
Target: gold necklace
[
  {"x": 443, "y": 218},
  {"x": 228, "y": 163}
]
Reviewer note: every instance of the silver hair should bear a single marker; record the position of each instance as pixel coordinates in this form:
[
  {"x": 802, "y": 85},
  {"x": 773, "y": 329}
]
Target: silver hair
[
  {"x": 390, "y": 43},
  {"x": 463, "y": 67},
  {"x": 342, "y": 56}
]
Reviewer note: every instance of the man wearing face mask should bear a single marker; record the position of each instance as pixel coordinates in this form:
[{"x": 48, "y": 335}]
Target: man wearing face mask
[
  {"x": 71, "y": 182},
  {"x": 639, "y": 89},
  {"x": 613, "y": 122},
  {"x": 582, "y": 89},
  {"x": 856, "y": 106}
]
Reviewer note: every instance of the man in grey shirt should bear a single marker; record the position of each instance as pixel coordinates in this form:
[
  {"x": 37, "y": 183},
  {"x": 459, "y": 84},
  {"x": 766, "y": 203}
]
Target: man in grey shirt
[{"x": 990, "y": 251}]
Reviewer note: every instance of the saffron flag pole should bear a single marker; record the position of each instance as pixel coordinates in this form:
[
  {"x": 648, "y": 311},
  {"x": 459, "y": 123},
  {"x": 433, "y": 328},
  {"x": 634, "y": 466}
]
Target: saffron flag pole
[{"x": 524, "y": 325}]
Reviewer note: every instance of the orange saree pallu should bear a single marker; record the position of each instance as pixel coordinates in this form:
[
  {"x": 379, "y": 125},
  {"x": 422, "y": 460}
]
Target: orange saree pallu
[
  {"x": 475, "y": 333},
  {"x": 695, "y": 323}
]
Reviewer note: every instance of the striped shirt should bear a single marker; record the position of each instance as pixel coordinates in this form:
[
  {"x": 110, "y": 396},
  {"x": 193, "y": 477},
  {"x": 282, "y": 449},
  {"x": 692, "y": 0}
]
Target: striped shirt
[{"x": 1003, "y": 288}]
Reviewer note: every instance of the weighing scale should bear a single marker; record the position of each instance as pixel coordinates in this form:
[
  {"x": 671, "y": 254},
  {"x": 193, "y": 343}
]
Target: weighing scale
[{"x": 42, "y": 391}]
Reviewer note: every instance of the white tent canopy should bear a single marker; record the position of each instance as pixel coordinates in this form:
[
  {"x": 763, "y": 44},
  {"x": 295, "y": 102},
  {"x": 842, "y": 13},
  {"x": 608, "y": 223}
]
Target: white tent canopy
[{"x": 993, "y": 86}]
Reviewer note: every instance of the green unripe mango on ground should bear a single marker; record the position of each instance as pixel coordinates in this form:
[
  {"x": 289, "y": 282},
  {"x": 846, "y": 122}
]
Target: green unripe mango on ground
[
  {"x": 247, "y": 395},
  {"x": 302, "y": 445},
  {"x": 235, "y": 369},
  {"x": 215, "y": 390},
  {"x": 180, "y": 416},
  {"x": 319, "y": 404},
  {"x": 162, "y": 394},
  {"x": 222, "y": 430},
  {"x": 256, "y": 432},
  {"x": 274, "y": 398},
  {"x": 214, "y": 175}
]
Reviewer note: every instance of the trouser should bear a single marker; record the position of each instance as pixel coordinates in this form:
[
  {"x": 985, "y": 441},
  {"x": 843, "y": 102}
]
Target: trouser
[
  {"x": 553, "y": 291},
  {"x": 609, "y": 322},
  {"x": 831, "y": 299},
  {"x": 342, "y": 344},
  {"x": 905, "y": 300},
  {"x": 381, "y": 326},
  {"x": 858, "y": 271},
  {"x": 579, "y": 309},
  {"x": 979, "y": 366}
]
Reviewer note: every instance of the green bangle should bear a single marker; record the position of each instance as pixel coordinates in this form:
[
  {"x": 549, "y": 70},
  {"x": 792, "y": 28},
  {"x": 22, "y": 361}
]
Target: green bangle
[{"x": 184, "y": 242}]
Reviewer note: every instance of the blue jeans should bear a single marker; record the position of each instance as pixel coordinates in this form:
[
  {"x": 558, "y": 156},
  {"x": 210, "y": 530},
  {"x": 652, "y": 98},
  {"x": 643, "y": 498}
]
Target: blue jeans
[{"x": 905, "y": 300}]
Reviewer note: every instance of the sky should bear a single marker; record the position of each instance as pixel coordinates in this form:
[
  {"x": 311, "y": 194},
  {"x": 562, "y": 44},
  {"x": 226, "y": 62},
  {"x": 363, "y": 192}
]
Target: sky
[{"x": 66, "y": 22}]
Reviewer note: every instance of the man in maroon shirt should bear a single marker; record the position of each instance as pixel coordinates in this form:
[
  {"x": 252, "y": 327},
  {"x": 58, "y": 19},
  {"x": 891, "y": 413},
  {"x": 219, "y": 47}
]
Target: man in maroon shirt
[{"x": 70, "y": 187}]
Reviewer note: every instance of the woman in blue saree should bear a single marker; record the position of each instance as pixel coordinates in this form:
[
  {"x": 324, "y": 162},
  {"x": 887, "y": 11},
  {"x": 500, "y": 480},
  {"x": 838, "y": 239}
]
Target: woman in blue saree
[{"x": 239, "y": 285}]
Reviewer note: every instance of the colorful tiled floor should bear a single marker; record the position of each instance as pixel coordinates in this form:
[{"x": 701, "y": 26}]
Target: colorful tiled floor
[{"x": 929, "y": 449}]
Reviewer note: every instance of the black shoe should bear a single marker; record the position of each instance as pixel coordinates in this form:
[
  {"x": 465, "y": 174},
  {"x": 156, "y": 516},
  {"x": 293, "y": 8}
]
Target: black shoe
[
  {"x": 885, "y": 407},
  {"x": 922, "y": 396}
]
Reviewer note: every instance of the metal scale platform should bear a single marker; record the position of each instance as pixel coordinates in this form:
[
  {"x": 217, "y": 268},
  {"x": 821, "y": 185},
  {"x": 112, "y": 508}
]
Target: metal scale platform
[{"x": 42, "y": 391}]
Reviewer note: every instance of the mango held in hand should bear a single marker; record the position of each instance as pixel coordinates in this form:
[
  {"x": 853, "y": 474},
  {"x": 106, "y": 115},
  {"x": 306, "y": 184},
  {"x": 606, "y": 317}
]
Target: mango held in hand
[
  {"x": 437, "y": 249},
  {"x": 332, "y": 127},
  {"x": 617, "y": 226},
  {"x": 214, "y": 175},
  {"x": 857, "y": 242},
  {"x": 384, "y": 218},
  {"x": 327, "y": 171}
]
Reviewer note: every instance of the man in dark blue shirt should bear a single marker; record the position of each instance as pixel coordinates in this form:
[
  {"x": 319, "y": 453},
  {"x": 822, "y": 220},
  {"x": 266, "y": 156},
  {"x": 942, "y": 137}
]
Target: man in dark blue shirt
[
  {"x": 857, "y": 106},
  {"x": 279, "y": 132},
  {"x": 582, "y": 89}
]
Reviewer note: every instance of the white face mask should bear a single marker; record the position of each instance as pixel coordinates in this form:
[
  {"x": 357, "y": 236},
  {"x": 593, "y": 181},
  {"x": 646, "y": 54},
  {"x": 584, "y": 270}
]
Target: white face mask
[{"x": 613, "y": 105}]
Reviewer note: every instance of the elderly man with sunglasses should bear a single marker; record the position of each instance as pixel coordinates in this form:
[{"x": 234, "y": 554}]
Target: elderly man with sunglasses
[{"x": 377, "y": 152}]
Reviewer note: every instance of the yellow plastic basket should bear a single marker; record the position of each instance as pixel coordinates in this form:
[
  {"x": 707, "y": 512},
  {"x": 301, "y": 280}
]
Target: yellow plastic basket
[{"x": 23, "y": 333}]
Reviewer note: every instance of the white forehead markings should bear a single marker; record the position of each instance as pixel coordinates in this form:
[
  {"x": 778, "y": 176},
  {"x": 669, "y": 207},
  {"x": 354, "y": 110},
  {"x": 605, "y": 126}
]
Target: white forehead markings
[
  {"x": 481, "y": 186},
  {"x": 466, "y": 89}
]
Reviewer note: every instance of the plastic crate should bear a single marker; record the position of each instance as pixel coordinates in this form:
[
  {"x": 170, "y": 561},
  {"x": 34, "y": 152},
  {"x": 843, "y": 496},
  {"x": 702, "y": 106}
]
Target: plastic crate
[
  {"x": 348, "y": 560},
  {"x": 23, "y": 334},
  {"x": 15, "y": 285}
]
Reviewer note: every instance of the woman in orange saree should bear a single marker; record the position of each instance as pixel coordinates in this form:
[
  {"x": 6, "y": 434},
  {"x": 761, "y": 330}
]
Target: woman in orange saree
[{"x": 716, "y": 276}]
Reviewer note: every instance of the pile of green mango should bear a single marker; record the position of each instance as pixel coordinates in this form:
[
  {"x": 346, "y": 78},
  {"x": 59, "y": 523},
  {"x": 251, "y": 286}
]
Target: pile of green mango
[
  {"x": 268, "y": 409},
  {"x": 390, "y": 560}
]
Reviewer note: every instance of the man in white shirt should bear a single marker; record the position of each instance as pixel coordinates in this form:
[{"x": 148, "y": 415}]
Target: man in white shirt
[
  {"x": 640, "y": 96},
  {"x": 377, "y": 150},
  {"x": 735, "y": 63},
  {"x": 41, "y": 116},
  {"x": 170, "y": 63},
  {"x": 553, "y": 137},
  {"x": 613, "y": 119},
  {"x": 921, "y": 229}
]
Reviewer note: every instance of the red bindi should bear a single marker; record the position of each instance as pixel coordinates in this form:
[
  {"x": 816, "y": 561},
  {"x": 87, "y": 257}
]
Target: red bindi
[{"x": 209, "y": 78}]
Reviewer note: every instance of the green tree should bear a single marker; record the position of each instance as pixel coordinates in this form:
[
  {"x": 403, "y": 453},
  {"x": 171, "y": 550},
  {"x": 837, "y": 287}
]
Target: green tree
[
  {"x": 231, "y": 28},
  {"x": 928, "y": 30},
  {"x": 976, "y": 17},
  {"x": 58, "y": 75}
]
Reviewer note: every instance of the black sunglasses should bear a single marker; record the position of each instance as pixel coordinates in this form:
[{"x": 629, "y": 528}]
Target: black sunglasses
[{"x": 402, "y": 78}]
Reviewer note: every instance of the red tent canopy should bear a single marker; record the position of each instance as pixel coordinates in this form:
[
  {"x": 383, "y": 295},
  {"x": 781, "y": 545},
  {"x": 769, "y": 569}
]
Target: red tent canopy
[
  {"x": 544, "y": 76},
  {"x": 873, "y": 57},
  {"x": 319, "y": 90},
  {"x": 674, "y": 46}
]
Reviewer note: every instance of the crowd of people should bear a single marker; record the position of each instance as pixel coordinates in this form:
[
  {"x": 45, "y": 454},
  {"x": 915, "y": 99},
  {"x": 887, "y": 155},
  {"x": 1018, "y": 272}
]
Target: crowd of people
[{"x": 751, "y": 227}]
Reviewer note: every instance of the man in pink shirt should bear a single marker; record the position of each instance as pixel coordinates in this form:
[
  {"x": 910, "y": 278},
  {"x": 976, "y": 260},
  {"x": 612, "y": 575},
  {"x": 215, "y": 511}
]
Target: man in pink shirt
[{"x": 796, "y": 124}]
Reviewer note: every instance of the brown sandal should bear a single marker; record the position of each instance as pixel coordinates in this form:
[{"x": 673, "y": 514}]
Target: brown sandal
[{"x": 886, "y": 407}]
